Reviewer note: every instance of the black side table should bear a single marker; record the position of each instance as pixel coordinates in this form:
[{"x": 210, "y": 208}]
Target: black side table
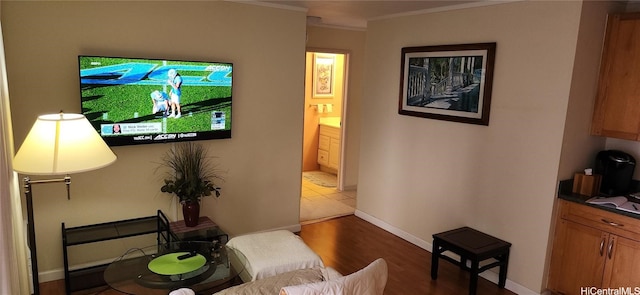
[{"x": 472, "y": 245}]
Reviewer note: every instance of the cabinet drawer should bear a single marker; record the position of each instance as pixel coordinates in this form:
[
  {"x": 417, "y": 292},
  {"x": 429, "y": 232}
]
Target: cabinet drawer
[
  {"x": 330, "y": 131},
  {"x": 604, "y": 220},
  {"x": 323, "y": 157},
  {"x": 324, "y": 142}
]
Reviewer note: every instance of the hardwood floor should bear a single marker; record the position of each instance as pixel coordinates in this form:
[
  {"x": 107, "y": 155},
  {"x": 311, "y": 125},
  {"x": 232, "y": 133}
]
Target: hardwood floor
[{"x": 349, "y": 243}]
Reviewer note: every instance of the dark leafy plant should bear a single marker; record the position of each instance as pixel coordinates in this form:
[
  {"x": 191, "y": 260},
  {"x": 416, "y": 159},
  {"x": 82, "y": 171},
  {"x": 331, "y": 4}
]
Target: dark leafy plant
[{"x": 191, "y": 174}]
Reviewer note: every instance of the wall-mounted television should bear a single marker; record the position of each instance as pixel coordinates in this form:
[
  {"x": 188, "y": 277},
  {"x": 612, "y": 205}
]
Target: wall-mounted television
[{"x": 139, "y": 101}]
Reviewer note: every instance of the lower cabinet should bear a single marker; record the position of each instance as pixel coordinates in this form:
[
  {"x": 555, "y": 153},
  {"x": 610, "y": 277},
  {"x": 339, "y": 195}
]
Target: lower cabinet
[
  {"x": 334, "y": 153},
  {"x": 622, "y": 269},
  {"x": 329, "y": 147},
  {"x": 593, "y": 248},
  {"x": 577, "y": 260}
]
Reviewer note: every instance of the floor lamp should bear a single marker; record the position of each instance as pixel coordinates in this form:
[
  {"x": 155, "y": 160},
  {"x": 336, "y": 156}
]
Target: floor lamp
[{"x": 57, "y": 144}]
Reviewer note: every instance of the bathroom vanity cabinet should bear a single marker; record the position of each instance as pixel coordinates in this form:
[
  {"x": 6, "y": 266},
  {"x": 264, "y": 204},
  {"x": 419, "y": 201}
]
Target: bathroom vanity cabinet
[{"x": 329, "y": 147}]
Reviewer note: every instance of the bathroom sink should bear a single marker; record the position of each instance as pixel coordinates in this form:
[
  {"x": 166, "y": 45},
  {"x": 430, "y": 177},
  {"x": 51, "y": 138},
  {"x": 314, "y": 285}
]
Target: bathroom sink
[{"x": 331, "y": 122}]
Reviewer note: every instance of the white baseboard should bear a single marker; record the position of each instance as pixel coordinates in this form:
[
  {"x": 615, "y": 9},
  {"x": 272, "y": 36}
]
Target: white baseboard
[
  {"x": 58, "y": 274},
  {"x": 350, "y": 188},
  {"x": 489, "y": 275},
  {"x": 292, "y": 228},
  {"x": 51, "y": 275}
]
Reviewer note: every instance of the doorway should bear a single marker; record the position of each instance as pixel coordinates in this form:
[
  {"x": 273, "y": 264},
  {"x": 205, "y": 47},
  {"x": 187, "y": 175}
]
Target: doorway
[{"x": 322, "y": 194}]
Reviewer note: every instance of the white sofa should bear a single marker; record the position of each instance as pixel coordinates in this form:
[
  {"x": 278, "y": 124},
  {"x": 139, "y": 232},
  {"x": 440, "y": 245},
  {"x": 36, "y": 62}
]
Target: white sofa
[
  {"x": 371, "y": 280},
  {"x": 280, "y": 263}
]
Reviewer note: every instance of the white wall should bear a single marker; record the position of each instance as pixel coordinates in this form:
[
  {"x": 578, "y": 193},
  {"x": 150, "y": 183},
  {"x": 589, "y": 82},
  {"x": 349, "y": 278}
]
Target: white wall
[
  {"x": 425, "y": 176},
  {"x": 262, "y": 160},
  {"x": 579, "y": 147}
]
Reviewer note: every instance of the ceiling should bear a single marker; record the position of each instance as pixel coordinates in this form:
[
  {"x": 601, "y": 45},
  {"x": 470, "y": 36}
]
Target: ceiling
[{"x": 356, "y": 13}]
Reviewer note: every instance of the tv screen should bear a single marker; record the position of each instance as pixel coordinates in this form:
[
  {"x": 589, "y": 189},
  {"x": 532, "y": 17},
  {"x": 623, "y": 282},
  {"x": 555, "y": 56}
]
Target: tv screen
[{"x": 138, "y": 101}]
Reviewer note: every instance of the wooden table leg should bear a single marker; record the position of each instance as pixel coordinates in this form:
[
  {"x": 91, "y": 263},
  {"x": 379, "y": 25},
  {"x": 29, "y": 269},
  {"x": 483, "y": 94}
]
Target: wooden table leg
[
  {"x": 435, "y": 254},
  {"x": 473, "y": 277},
  {"x": 502, "y": 278}
]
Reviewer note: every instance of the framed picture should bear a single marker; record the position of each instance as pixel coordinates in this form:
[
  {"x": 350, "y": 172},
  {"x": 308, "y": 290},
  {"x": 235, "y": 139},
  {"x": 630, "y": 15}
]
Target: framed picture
[
  {"x": 448, "y": 82},
  {"x": 323, "y": 75}
]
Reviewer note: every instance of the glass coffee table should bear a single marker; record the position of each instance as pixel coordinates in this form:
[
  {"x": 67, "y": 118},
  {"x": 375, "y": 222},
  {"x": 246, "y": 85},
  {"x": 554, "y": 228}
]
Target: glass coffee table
[{"x": 158, "y": 269}]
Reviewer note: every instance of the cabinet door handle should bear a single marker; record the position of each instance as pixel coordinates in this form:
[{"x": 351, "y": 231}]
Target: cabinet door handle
[
  {"x": 610, "y": 249},
  {"x": 612, "y": 223},
  {"x": 602, "y": 247}
]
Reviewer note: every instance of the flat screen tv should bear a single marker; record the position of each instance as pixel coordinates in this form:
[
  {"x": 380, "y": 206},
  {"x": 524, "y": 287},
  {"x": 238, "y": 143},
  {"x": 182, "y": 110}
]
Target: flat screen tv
[{"x": 139, "y": 101}]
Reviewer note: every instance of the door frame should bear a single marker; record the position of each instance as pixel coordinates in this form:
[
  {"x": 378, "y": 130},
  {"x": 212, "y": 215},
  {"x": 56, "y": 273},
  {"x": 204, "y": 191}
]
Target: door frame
[{"x": 343, "y": 114}]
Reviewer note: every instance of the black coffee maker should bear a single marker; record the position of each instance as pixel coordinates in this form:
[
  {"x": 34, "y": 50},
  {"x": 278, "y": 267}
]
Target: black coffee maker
[{"x": 616, "y": 168}]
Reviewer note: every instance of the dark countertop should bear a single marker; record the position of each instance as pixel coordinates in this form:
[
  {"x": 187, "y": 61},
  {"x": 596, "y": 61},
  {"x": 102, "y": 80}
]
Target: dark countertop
[{"x": 564, "y": 192}]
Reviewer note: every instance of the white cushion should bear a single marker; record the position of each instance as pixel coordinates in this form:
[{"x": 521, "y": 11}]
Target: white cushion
[
  {"x": 370, "y": 280},
  {"x": 272, "y": 285},
  {"x": 182, "y": 291},
  {"x": 275, "y": 252},
  {"x": 329, "y": 274}
]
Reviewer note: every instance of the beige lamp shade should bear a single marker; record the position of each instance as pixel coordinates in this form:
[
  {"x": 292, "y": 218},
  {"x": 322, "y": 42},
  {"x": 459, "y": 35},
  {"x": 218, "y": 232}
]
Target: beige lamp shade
[{"x": 62, "y": 144}]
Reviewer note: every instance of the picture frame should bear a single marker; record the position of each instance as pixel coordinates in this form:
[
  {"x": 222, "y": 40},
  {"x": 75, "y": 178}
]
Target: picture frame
[
  {"x": 448, "y": 82},
  {"x": 323, "y": 75}
]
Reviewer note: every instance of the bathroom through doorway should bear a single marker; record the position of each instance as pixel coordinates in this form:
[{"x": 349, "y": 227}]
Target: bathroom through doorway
[{"x": 322, "y": 194}]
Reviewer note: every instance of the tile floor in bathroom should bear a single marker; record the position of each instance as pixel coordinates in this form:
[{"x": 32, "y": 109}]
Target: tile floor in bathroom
[{"x": 312, "y": 192}]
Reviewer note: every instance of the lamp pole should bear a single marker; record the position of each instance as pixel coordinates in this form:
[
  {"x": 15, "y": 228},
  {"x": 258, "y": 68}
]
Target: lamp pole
[
  {"x": 32, "y": 237},
  {"x": 31, "y": 226}
]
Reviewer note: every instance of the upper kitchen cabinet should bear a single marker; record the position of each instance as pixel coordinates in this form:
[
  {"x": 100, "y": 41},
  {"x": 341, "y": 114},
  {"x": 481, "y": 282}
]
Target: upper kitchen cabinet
[{"x": 617, "y": 107}]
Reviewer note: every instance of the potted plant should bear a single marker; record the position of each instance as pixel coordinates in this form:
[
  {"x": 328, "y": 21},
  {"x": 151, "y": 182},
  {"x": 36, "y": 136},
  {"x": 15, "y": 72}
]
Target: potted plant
[{"x": 190, "y": 177}]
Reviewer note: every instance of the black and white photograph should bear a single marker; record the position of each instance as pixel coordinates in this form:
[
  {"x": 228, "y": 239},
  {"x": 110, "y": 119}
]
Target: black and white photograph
[{"x": 448, "y": 82}]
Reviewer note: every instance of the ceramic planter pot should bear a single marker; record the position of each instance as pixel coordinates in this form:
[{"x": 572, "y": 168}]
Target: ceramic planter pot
[{"x": 191, "y": 213}]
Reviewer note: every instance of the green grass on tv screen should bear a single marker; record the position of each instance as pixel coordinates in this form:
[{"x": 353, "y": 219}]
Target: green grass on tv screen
[{"x": 118, "y": 91}]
